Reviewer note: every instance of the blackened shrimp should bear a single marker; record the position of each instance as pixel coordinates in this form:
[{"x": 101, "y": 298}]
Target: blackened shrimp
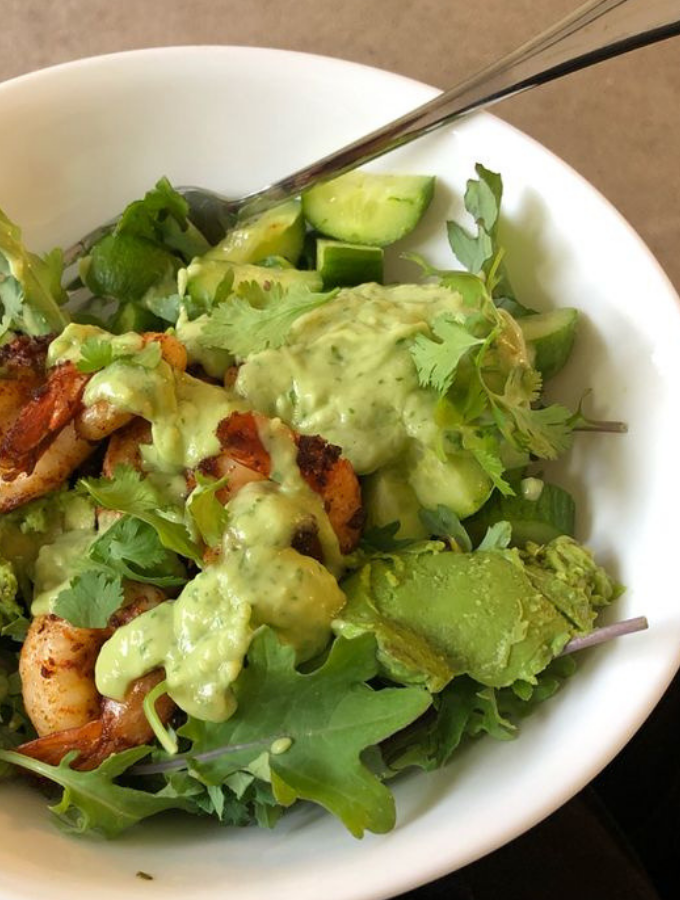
[
  {"x": 57, "y": 667},
  {"x": 47, "y": 432},
  {"x": 244, "y": 459}
]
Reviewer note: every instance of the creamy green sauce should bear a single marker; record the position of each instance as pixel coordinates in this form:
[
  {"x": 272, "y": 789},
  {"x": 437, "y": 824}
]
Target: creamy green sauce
[
  {"x": 215, "y": 362},
  {"x": 202, "y": 637},
  {"x": 346, "y": 372},
  {"x": 56, "y": 564},
  {"x": 67, "y": 346},
  {"x": 183, "y": 411}
]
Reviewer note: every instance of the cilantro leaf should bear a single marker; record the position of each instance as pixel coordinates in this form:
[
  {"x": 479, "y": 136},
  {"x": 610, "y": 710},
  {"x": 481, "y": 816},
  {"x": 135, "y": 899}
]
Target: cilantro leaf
[
  {"x": 484, "y": 446},
  {"x": 256, "y": 318},
  {"x": 92, "y": 800},
  {"x": 132, "y": 549},
  {"x": 128, "y": 492},
  {"x": 97, "y": 353},
  {"x": 90, "y": 600},
  {"x": 437, "y": 361},
  {"x": 330, "y": 716}
]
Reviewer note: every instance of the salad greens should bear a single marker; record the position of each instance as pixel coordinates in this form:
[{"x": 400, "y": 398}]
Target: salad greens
[{"x": 307, "y": 652}]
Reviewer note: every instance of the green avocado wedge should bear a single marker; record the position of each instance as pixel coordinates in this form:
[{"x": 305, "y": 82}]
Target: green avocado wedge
[{"x": 437, "y": 614}]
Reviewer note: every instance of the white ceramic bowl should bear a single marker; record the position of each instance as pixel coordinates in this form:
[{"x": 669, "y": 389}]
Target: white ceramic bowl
[{"x": 81, "y": 140}]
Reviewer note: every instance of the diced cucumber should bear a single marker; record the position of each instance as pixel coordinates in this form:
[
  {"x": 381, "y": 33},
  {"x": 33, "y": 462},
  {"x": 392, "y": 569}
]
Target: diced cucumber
[
  {"x": 368, "y": 208},
  {"x": 277, "y": 232},
  {"x": 346, "y": 265},
  {"x": 204, "y": 276},
  {"x": 539, "y": 512},
  {"x": 551, "y": 337}
]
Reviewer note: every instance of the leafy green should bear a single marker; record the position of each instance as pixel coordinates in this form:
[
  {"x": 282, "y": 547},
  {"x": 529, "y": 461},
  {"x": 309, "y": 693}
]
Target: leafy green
[
  {"x": 97, "y": 353},
  {"x": 481, "y": 253},
  {"x": 152, "y": 240},
  {"x": 443, "y": 522},
  {"x": 207, "y": 513},
  {"x": 133, "y": 549},
  {"x": 437, "y": 361},
  {"x": 10, "y": 610},
  {"x": 30, "y": 286},
  {"x": 92, "y": 800},
  {"x": 15, "y": 727},
  {"x": 255, "y": 317},
  {"x": 497, "y": 537},
  {"x": 128, "y": 492},
  {"x": 330, "y": 716},
  {"x": 465, "y": 710},
  {"x": 90, "y": 600},
  {"x": 130, "y": 548}
]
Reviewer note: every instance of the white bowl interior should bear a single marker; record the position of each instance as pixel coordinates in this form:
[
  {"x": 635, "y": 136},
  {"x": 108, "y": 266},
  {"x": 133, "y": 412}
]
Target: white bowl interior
[{"x": 81, "y": 140}]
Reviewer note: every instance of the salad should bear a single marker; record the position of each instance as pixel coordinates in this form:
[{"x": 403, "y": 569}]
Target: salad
[{"x": 271, "y": 529}]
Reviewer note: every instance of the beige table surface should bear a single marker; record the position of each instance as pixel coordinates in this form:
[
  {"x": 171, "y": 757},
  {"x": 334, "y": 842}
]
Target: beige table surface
[{"x": 617, "y": 124}]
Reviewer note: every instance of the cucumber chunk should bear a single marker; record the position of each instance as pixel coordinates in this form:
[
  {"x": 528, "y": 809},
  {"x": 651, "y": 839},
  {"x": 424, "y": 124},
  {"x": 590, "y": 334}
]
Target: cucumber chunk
[
  {"x": 551, "y": 337},
  {"x": 277, "y": 232},
  {"x": 368, "y": 208},
  {"x": 346, "y": 265},
  {"x": 539, "y": 512},
  {"x": 204, "y": 276}
]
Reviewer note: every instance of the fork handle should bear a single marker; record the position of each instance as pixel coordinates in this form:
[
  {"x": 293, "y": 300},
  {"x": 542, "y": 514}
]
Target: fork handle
[{"x": 599, "y": 30}]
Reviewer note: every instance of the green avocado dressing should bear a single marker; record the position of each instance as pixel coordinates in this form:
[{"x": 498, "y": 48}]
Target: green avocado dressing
[
  {"x": 346, "y": 372},
  {"x": 202, "y": 637},
  {"x": 183, "y": 411},
  {"x": 56, "y": 565}
]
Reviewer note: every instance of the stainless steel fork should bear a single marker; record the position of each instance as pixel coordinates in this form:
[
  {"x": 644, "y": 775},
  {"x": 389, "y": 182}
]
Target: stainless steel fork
[{"x": 599, "y": 30}]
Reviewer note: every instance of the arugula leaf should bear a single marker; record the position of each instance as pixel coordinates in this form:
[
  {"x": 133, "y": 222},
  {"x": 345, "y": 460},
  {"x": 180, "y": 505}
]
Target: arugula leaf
[
  {"x": 437, "y": 361},
  {"x": 207, "y": 513},
  {"x": 128, "y": 492},
  {"x": 255, "y": 318},
  {"x": 92, "y": 800},
  {"x": 330, "y": 717},
  {"x": 30, "y": 285},
  {"x": 90, "y": 600}
]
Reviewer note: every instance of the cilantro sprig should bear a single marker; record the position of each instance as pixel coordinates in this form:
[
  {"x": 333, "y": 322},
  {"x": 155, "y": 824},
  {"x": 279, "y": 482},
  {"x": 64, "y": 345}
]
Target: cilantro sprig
[
  {"x": 129, "y": 492},
  {"x": 128, "y": 549},
  {"x": 97, "y": 353},
  {"x": 256, "y": 317}
]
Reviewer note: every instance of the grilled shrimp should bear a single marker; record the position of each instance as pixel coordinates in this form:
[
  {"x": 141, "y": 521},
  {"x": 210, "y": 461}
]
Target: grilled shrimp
[
  {"x": 49, "y": 432},
  {"x": 57, "y": 673},
  {"x": 244, "y": 458}
]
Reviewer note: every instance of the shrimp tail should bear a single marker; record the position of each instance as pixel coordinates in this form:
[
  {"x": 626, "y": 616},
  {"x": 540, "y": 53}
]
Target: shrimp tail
[{"x": 52, "y": 748}]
